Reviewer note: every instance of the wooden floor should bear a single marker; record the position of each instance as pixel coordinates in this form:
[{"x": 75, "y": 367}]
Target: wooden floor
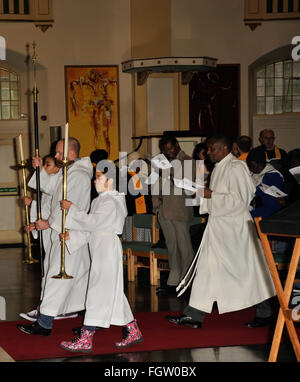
[{"x": 20, "y": 286}]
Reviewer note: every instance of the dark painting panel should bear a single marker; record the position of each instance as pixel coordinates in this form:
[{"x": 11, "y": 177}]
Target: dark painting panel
[{"x": 214, "y": 102}]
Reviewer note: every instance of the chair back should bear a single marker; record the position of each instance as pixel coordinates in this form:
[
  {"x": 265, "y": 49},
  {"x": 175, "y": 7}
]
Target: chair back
[{"x": 147, "y": 221}]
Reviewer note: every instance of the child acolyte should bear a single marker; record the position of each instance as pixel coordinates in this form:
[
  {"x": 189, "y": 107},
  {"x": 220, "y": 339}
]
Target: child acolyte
[{"x": 106, "y": 303}]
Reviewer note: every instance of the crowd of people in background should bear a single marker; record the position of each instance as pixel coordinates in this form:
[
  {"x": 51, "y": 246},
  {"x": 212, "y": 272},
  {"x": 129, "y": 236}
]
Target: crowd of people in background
[{"x": 235, "y": 175}]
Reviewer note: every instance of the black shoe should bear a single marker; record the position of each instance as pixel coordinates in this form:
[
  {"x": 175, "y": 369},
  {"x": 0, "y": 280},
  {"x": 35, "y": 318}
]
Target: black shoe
[
  {"x": 34, "y": 328},
  {"x": 78, "y": 329},
  {"x": 184, "y": 320},
  {"x": 258, "y": 322}
]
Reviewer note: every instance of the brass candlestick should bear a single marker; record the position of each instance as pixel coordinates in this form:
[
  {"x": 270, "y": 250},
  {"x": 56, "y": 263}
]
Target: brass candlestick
[
  {"x": 30, "y": 259},
  {"x": 62, "y": 274}
]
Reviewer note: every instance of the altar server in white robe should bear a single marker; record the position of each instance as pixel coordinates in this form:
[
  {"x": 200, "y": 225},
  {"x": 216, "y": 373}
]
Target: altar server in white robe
[
  {"x": 229, "y": 267},
  {"x": 106, "y": 303},
  {"x": 62, "y": 296},
  {"x": 52, "y": 169}
]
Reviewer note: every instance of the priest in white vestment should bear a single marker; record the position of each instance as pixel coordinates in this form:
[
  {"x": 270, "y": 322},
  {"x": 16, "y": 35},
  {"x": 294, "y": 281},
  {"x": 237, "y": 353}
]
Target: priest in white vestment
[{"x": 229, "y": 267}]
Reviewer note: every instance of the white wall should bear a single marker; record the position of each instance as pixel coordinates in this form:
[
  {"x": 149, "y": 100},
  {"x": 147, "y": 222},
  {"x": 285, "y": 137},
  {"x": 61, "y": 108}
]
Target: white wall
[
  {"x": 215, "y": 28},
  {"x": 93, "y": 32}
]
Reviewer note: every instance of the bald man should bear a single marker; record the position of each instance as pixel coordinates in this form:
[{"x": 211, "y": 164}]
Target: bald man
[{"x": 276, "y": 156}]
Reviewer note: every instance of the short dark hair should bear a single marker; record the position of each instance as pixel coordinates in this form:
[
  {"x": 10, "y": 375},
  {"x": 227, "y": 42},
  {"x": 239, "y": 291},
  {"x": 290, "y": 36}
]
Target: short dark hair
[
  {"x": 166, "y": 139},
  {"x": 221, "y": 138},
  {"x": 257, "y": 155},
  {"x": 48, "y": 156},
  {"x": 98, "y": 155},
  {"x": 199, "y": 146},
  {"x": 244, "y": 143}
]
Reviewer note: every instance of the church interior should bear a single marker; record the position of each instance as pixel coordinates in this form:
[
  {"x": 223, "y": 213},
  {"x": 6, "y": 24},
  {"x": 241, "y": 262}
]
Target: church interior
[{"x": 192, "y": 68}]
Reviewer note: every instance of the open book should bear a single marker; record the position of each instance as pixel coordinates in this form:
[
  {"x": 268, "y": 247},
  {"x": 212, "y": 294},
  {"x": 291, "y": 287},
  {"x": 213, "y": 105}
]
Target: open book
[
  {"x": 187, "y": 184},
  {"x": 161, "y": 161},
  {"x": 272, "y": 190},
  {"x": 295, "y": 171}
]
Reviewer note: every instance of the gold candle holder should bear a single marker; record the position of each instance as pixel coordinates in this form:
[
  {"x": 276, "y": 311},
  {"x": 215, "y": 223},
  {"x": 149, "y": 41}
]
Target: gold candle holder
[
  {"x": 62, "y": 274},
  {"x": 30, "y": 259}
]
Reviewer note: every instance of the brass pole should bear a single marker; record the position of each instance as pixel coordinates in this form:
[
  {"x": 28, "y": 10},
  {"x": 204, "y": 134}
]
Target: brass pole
[
  {"x": 63, "y": 274},
  {"x": 30, "y": 259}
]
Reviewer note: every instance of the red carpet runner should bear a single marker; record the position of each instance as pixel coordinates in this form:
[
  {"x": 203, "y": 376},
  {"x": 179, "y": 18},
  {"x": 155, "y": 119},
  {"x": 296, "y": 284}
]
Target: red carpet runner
[{"x": 159, "y": 334}]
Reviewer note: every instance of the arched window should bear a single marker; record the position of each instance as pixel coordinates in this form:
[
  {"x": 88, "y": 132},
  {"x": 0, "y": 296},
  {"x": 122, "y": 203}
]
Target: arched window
[
  {"x": 9, "y": 95},
  {"x": 278, "y": 88}
]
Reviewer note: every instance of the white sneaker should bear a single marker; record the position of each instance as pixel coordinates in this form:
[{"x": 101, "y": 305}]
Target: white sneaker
[
  {"x": 67, "y": 315},
  {"x": 31, "y": 316}
]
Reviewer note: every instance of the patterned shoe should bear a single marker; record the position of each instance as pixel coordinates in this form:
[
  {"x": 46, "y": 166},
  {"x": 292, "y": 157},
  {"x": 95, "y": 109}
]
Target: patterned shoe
[
  {"x": 84, "y": 343},
  {"x": 131, "y": 335}
]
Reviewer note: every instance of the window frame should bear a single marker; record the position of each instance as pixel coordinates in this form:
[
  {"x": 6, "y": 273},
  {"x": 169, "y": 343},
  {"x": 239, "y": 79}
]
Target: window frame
[
  {"x": 19, "y": 100},
  {"x": 284, "y": 95}
]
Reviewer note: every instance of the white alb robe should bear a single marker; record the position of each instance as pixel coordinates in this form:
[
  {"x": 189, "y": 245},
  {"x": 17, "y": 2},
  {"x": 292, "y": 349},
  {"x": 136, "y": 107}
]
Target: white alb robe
[
  {"x": 230, "y": 266},
  {"x": 106, "y": 303},
  {"x": 63, "y": 296},
  {"x": 45, "y": 213}
]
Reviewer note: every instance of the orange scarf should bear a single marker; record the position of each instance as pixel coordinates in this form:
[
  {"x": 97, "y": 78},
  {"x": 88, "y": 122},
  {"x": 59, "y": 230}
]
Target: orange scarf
[
  {"x": 243, "y": 156},
  {"x": 140, "y": 203},
  {"x": 277, "y": 153}
]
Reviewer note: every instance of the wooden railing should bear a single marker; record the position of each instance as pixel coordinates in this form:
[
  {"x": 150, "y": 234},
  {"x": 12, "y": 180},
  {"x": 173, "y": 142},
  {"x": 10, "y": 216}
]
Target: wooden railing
[
  {"x": 258, "y": 11},
  {"x": 40, "y": 12}
]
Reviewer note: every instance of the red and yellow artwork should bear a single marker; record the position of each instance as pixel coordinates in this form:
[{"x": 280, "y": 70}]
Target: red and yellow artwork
[{"x": 93, "y": 107}]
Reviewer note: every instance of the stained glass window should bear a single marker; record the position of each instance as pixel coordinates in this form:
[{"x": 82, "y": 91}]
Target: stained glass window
[
  {"x": 9, "y": 95},
  {"x": 278, "y": 88}
]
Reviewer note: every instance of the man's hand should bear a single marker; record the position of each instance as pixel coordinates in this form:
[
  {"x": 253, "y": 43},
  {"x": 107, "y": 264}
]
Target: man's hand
[
  {"x": 27, "y": 200},
  {"x": 37, "y": 162},
  {"x": 41, "y": 225},
  {"x": 67, "y": 236},
  {"x": 29, "y": 228},
  {"x": 207, "y": 193},
  {"x": 65, "y": 204},
  {"x": 203, "y": 193}
]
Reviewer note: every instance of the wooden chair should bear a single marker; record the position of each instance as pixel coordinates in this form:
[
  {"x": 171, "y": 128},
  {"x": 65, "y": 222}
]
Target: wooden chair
[
  {"x": 286, "y": 315},
  {"x": 137, "y": 253},
  {"x": 282, "y": 261}
]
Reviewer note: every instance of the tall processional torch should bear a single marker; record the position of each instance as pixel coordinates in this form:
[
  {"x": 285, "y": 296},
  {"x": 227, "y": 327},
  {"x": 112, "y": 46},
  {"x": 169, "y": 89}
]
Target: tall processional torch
[
  {"x": 37, "y": 172},
  {"x": 65, "y": 162},
  {"x": 22, "y": 164}
]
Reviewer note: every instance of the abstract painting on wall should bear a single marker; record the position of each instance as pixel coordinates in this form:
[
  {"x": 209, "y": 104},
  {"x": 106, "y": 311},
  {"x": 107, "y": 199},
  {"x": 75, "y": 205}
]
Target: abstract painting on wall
[{"x": 92, "y": 105}]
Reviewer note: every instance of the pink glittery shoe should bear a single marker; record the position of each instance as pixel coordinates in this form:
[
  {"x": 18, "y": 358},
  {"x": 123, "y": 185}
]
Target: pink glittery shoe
[
  {"x": 131, "y": 335},
  {"x": 83, "y": 343}
]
